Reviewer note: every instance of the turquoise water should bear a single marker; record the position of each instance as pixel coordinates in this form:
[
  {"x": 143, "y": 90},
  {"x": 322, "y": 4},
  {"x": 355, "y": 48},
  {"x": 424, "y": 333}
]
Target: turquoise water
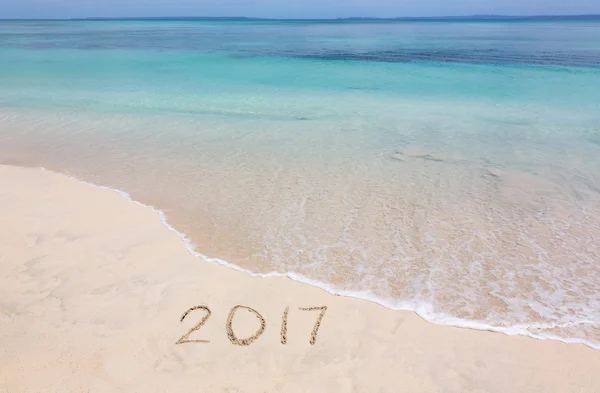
[{"x": 450, "y": 168}]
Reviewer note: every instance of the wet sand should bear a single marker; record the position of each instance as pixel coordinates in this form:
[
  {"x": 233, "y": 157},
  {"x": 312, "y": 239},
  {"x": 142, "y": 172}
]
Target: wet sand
[{"x": 94, "y": 291}]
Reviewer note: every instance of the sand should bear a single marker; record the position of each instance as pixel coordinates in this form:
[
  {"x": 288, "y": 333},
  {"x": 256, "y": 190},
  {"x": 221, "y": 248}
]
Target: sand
[{"x": 93, "y": 288}]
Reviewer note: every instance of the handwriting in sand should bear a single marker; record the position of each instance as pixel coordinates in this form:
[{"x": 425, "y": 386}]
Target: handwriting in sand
[{"x": 234, "y": 339}]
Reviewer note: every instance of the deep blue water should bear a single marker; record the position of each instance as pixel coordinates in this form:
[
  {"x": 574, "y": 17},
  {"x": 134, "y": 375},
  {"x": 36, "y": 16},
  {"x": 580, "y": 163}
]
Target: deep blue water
[{"x": 563, "y": 43}]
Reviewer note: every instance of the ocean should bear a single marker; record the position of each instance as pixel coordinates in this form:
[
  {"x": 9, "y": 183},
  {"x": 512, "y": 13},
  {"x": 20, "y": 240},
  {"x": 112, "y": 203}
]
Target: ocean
[{"x": 446, "y": 167}]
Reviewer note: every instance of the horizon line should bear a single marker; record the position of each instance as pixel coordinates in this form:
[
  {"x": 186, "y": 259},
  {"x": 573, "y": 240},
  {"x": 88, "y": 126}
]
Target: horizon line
[{"x": 365, "y": 18}]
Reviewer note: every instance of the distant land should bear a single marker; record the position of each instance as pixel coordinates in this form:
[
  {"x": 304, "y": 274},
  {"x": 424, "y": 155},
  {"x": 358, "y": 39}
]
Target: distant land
[{"x": 583, "y": 17}]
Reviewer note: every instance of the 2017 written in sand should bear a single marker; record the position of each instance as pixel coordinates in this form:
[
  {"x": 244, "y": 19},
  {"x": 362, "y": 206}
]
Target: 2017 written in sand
[{"x": 234, "y": 339}]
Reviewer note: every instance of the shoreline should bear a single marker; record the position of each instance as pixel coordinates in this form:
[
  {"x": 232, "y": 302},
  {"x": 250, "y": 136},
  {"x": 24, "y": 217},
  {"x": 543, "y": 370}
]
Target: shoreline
[
  {"x": 421, "y": 311},
  {"x": 111, "y": 322}
]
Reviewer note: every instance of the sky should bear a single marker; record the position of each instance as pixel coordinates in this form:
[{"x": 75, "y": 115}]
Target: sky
[{"x": 289, "y": 8}]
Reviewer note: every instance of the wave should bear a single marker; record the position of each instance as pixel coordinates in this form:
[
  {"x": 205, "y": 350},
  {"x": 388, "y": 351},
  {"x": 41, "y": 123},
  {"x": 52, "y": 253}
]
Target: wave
[{"x": 422, "y": 309}]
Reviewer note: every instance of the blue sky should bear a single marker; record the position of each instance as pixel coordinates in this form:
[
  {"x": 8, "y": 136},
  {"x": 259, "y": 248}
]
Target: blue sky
[{"x": 289, "y": 8}]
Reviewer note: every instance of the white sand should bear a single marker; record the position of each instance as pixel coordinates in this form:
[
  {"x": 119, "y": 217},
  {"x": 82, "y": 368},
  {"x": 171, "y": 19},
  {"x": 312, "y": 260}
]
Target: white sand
[{"x": 92, "y": 289}]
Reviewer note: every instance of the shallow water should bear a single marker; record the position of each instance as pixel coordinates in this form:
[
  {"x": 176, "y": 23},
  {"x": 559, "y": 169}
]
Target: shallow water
[{"x": 448, "y": 168}]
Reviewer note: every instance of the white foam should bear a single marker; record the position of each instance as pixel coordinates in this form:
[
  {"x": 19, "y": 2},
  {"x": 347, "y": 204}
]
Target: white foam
[{"x": 423, "y": 309}]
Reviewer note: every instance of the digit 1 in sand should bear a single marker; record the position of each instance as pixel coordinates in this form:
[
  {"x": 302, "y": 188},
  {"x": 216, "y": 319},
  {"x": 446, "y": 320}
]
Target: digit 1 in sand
[{"x": 284, "y": 326}]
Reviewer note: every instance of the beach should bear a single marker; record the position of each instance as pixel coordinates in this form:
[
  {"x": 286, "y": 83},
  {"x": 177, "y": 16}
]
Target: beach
[
  {"x": 232, "y": 205},
  {"x": 93, "y": 288}
]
